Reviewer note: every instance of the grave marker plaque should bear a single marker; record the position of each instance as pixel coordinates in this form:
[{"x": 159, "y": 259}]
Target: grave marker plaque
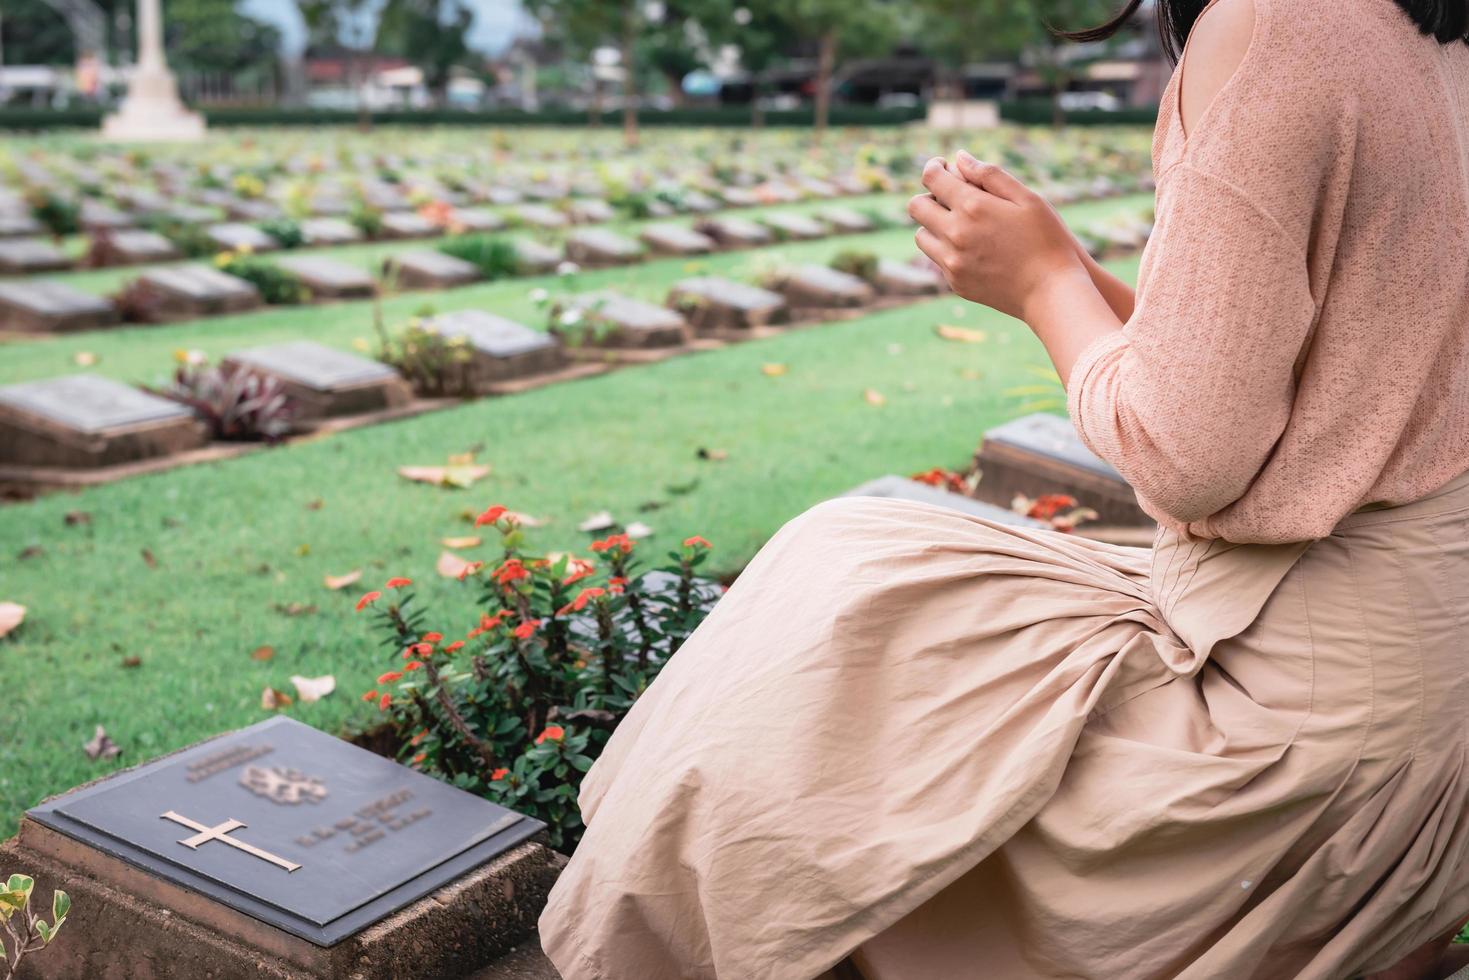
[
  {"x": 19, "y": 224},
  {"x": 503, "y": 350},
  {"x": 430, "y": 270},
  {"x": 541, "y": 216},
  {"x": 84, "y": 420},
  {"x": 712, "y": 303},
  {"x": 600, "y": 248},
  {"x": 131, "y": 246},
  {"x": 795, "y": 227},
  {"x": 324, "y": 382},
  {"x": 51, "y": 307},
  {"x": 282, "y": 844},
  {"x": 476, "y": 219},
  {"x": 1041, "y": 453},
  {"x": 329, "y": 231},
  {"x": 611, "y": 320},
  {"x": 591, "y": 211},
  {"x": 407, "y": 224},
  {"x": 820, "y": 287},
  {"x": 234, "y": 236},
  {"x": 186, "y": 291},
  {"x": 22, "y": 255},
  {"x": 329, "y": 279},
  {"x": 735, "y": 232},
  {"x": 905, "y": 279},
  {"x": 845, "y": 221},
  {"x": 676, "y": 240},
  {"x": 532, "y": 257}
]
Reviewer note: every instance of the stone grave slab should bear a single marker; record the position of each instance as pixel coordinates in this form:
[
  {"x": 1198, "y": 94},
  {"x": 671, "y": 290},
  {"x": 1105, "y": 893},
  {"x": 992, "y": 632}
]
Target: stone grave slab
[
  {"x": 845, "y": 221},
  {"x": 96, "y": 216},
  {"x": 736, "y": 232},
  {"x": 616, "y": 322},
  {"x": 905, "y": 279},
  {"x": 697, "y": 202},
  {"x": 676, "y": 240},
  {"x": 407, "y": 224},
  {"x": 43, "y": 306},
  {"x": 503, "y": 195},
  {"x": 503, "y": 350},
  {"x": 249, "y": 209},
  {"x": 87, "y": 421},
  {"x": 283, "y": 851},
  {"x": 816, "y": 187},
  {"x": 190, "y": 214},
  {"x": 821, "y": 287},
  {"x": 235, "y": 236},
  {"x": 895, "y": 487},
  {"x": 739, "y": 197},
  {"x": 794, "y": 227},
  {"x": 1041, "y": 453},
  {"x": 26, "y": 255},
  {"x": 533, "y": 258},
  {"x": 329, "y": 231},
  {"x": 477, "y": 219},
  {"x": 590, "y": 211},
  {"x": 328, "y": 278},
  {"x": 186, "y": 291},
  {"x": 599, "y": 248},
  {"x": 131, "y": 246},
  {"x": 713, "y": 304},
  {"x": 19, "y": 224},
  {"x": 430, "y": 270},
  {"x": 324, "y": 382},
  {"x": 541, "y": 216}
]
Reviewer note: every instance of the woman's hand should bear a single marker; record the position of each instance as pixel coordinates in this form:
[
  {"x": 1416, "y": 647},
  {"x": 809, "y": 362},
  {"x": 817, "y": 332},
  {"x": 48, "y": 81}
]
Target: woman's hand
[{"x": 997, "y": 241}]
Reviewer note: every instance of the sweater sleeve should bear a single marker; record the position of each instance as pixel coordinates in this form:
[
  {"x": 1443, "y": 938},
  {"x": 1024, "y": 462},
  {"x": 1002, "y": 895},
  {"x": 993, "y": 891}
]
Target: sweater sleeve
[{"x": 1190, "y": 398}]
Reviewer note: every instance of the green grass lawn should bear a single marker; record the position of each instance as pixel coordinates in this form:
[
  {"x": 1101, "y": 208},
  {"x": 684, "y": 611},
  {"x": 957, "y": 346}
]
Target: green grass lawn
[{"x": 188, "y": 571}]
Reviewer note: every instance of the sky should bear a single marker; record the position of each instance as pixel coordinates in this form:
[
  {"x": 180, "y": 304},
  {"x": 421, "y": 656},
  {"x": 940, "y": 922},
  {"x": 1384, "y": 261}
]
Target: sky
[{"x": 496, "y": 22}]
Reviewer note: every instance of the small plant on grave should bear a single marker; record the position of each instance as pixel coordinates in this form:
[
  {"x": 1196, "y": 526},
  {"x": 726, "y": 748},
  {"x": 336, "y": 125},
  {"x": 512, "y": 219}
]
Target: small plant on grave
[
  {"x": 187, "y": 237},
  {"x": 286, "y": 231},
  {"x": 366, "y": 217},
  {"x": 436, "y": 366},
  {"x": 863, "y": 265},
  {"x": 60, "y": 215},
  {"x": 576, "y": 323},
  {"x": 238, "y": 405},
  {"x": 520, "y": 707},
  {"x": 22, "y": 931},
  {"x": 278, "y": 286},
  {"x": 493, "y": 255}
]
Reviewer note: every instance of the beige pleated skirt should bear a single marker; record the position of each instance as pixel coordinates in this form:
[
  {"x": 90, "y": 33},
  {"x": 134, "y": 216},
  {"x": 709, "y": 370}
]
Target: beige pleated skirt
[{"x": 952, "y": 749}]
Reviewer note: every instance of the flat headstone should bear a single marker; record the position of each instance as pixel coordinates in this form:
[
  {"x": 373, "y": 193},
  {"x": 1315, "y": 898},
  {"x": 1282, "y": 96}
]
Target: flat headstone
[
  {"x": 503, "y": 350},
  {"x": 676, "y": 240},
  {"x": 845, "y": 221},
  {"x": 190, "y": 214},
  {"x": 40, "y": 305},
  {"x": 541, "y": 216},
  {"x": 615, "y": 321},
  {"x": 714, "y": 303},
  {"x": 599, "y": 248},
  {"x": 180, "y": 292},
  {"x": 329, "y": 231},
  {"x": 739, "y": 197},
  {"x": 250, "y": 209},
  {"x": 904, "y": 279},
  {"x": 503, "y": 195},
  {"x": 697, "y": 202},
  {"x": 324, "y": 382},
  {"x": 84, "y": 420},
  {"x": 328, "y": 278},
  {"x": 778, "y": 192},
  {"x": 736, "y": 232},
  {"x": 407, "y": 224},
  {"x": 94, "y": 215},
  {"x": 825, "y": 288},
  {"x": 590, "y": 211},
  {"x": 794, "y": 226},
  {"x": 280, "y": 844},
  {"x": 235, "y": 236},
  {"x": 20, "y": 255},
  {"x": 532, "y": 257},
  {"x": 131, "y": 246},
  {"x": 19, "y": 224},
  {"x": 477, "y": 219},
  {"x": 1040, "y": 454},
  {"x": 431, "y": 270},
  {"x": 816, "y": 187},
  {"x": 895, "y": 487}
]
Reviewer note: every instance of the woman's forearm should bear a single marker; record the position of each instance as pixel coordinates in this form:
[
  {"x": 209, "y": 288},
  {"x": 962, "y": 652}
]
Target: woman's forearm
[
  {"x": 1068, "y": 312},
  {"x": 1118, "y": 294}
]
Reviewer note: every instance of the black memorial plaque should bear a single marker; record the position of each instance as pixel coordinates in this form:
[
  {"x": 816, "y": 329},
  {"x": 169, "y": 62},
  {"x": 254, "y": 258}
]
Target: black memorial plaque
[{"x": 292, "y": 826}]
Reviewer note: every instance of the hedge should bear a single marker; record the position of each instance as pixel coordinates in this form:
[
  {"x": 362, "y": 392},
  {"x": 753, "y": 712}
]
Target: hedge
[
  {"x": 1039, "y": 112},
  {"x": 856, "y": 115}
]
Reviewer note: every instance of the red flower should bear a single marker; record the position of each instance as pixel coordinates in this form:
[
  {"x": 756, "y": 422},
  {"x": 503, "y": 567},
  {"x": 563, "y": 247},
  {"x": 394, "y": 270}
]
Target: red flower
[
  {"x": 453, "y": 646},
  {"x": 389, "y": 677},
  {"x": 370, "y": 696},
  {"x": 579, "y": 569},
  {"x": 498, "y": 775},
  {"x": 696, "y": 542},
  {"x": 432, "y": 637},
  {"x": 525, "y": 629},
  {"x": 490, "y": 516},
  {"x": 412, "y": 665},
  {"x": 580, "y": 602},
  {"x": 398, "y": 583},
  {"x": 382, "y": 705},
  {"x": 417, "y": 739},
  {"x": 368, "y": 600},
  {"x": 418, "y": 759},
  {"x": 616, "y": 584},
  {"x": 553, "y": 732},
  {"x": 511, "y": 571},
  {"x": 469, "y": 570},
  {"x": 619, "y": 541}
]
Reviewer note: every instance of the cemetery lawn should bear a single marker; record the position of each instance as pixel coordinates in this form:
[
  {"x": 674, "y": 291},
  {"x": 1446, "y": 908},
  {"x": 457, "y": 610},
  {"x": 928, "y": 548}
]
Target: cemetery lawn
[{"x": 144, "y": 617}]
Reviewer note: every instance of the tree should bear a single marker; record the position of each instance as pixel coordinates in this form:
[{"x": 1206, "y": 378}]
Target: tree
[
  {"x": 429, "y": 34},
  {"x": 344, "y": 25},
  {"x": 676, "y": 42},
  {"x": 582, "y": 26},
  {"x": 35, "y": 34},
  {"x": 213, "y": 35},
  {"x": 761, "y": 36}
]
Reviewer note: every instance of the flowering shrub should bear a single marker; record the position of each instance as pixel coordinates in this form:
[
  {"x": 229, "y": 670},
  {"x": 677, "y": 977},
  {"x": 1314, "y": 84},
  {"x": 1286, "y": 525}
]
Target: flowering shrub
[
  {"x": 436, "y": 366},
  {"x": 278, "y": 286},
  {"x": 518, "y": 707},
  {"x": 22, "y": 930}
]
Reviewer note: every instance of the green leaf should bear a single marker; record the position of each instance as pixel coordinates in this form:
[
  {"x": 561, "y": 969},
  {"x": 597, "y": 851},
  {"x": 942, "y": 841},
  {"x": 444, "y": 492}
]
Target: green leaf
[
  {"x": 60, "y": 906},
  {"x": 12, "y": 902},
  {"x": 44, "y": 930},
  {"x": 20, "y": 883}
]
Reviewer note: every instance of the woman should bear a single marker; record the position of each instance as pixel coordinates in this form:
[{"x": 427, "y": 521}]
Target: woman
[{"x": 947, "y": 748}]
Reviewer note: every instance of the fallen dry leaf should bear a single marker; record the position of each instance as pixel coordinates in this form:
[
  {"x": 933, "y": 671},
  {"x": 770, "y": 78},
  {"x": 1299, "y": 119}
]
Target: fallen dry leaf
[
  {"x": 714, "y": 454},
  {"x": 32, "y": 551},
  {"x": 524, "y": 520},
  {"x": 148, "y": 558},
  {"x": 295, "y": 608},
  {"x": 963, "y": 335},
  {"x": 600, "y": 521},
  {"x": 101, "y": 746},
  {"x": 132, "y": 660},
  {"x": 76, "y": 518},
  {"x": 84, "y": 358},
  {"x": 637, "y": 529},
  {"x": 462, "y": 476},
  {"x": 12, "y": 614},
  {"x": 316, "y": 504},
  {"x": 262, "y": 653},
  {"x": 310, "y": 689},
  {"x": 274, "y": 700},
  {"x": 302, "y": 550},
  {"x": 338, "y": 582},
  {"x": 451, "y": 565},
  {"x": 461, "y": 459},
  {"x": 874, "y": 397},
  {"x": 773, "y": 370},
  {"x": 469, "y": 541}
]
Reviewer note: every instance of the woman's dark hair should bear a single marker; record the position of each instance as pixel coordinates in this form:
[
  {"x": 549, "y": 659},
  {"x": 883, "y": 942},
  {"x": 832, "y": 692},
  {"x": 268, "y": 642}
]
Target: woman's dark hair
[{"x": 1445, "y": 20}]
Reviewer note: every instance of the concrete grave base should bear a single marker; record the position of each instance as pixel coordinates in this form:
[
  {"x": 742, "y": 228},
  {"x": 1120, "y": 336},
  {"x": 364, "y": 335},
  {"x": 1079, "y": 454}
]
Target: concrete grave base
[
  {"x": 35, "y": 437},
  {"x": 127, "y": 924}
]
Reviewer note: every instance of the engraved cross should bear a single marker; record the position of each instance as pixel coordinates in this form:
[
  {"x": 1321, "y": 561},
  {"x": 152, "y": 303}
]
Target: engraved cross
[{"x": 221, "y": 833}]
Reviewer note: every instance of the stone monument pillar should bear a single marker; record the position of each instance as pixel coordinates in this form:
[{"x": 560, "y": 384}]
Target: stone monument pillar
[{"x": 152, "y": 110}]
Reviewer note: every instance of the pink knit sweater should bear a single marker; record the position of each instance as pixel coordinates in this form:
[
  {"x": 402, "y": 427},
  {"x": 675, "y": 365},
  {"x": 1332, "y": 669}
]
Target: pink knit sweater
[{"x": 1300, "y": 346}]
